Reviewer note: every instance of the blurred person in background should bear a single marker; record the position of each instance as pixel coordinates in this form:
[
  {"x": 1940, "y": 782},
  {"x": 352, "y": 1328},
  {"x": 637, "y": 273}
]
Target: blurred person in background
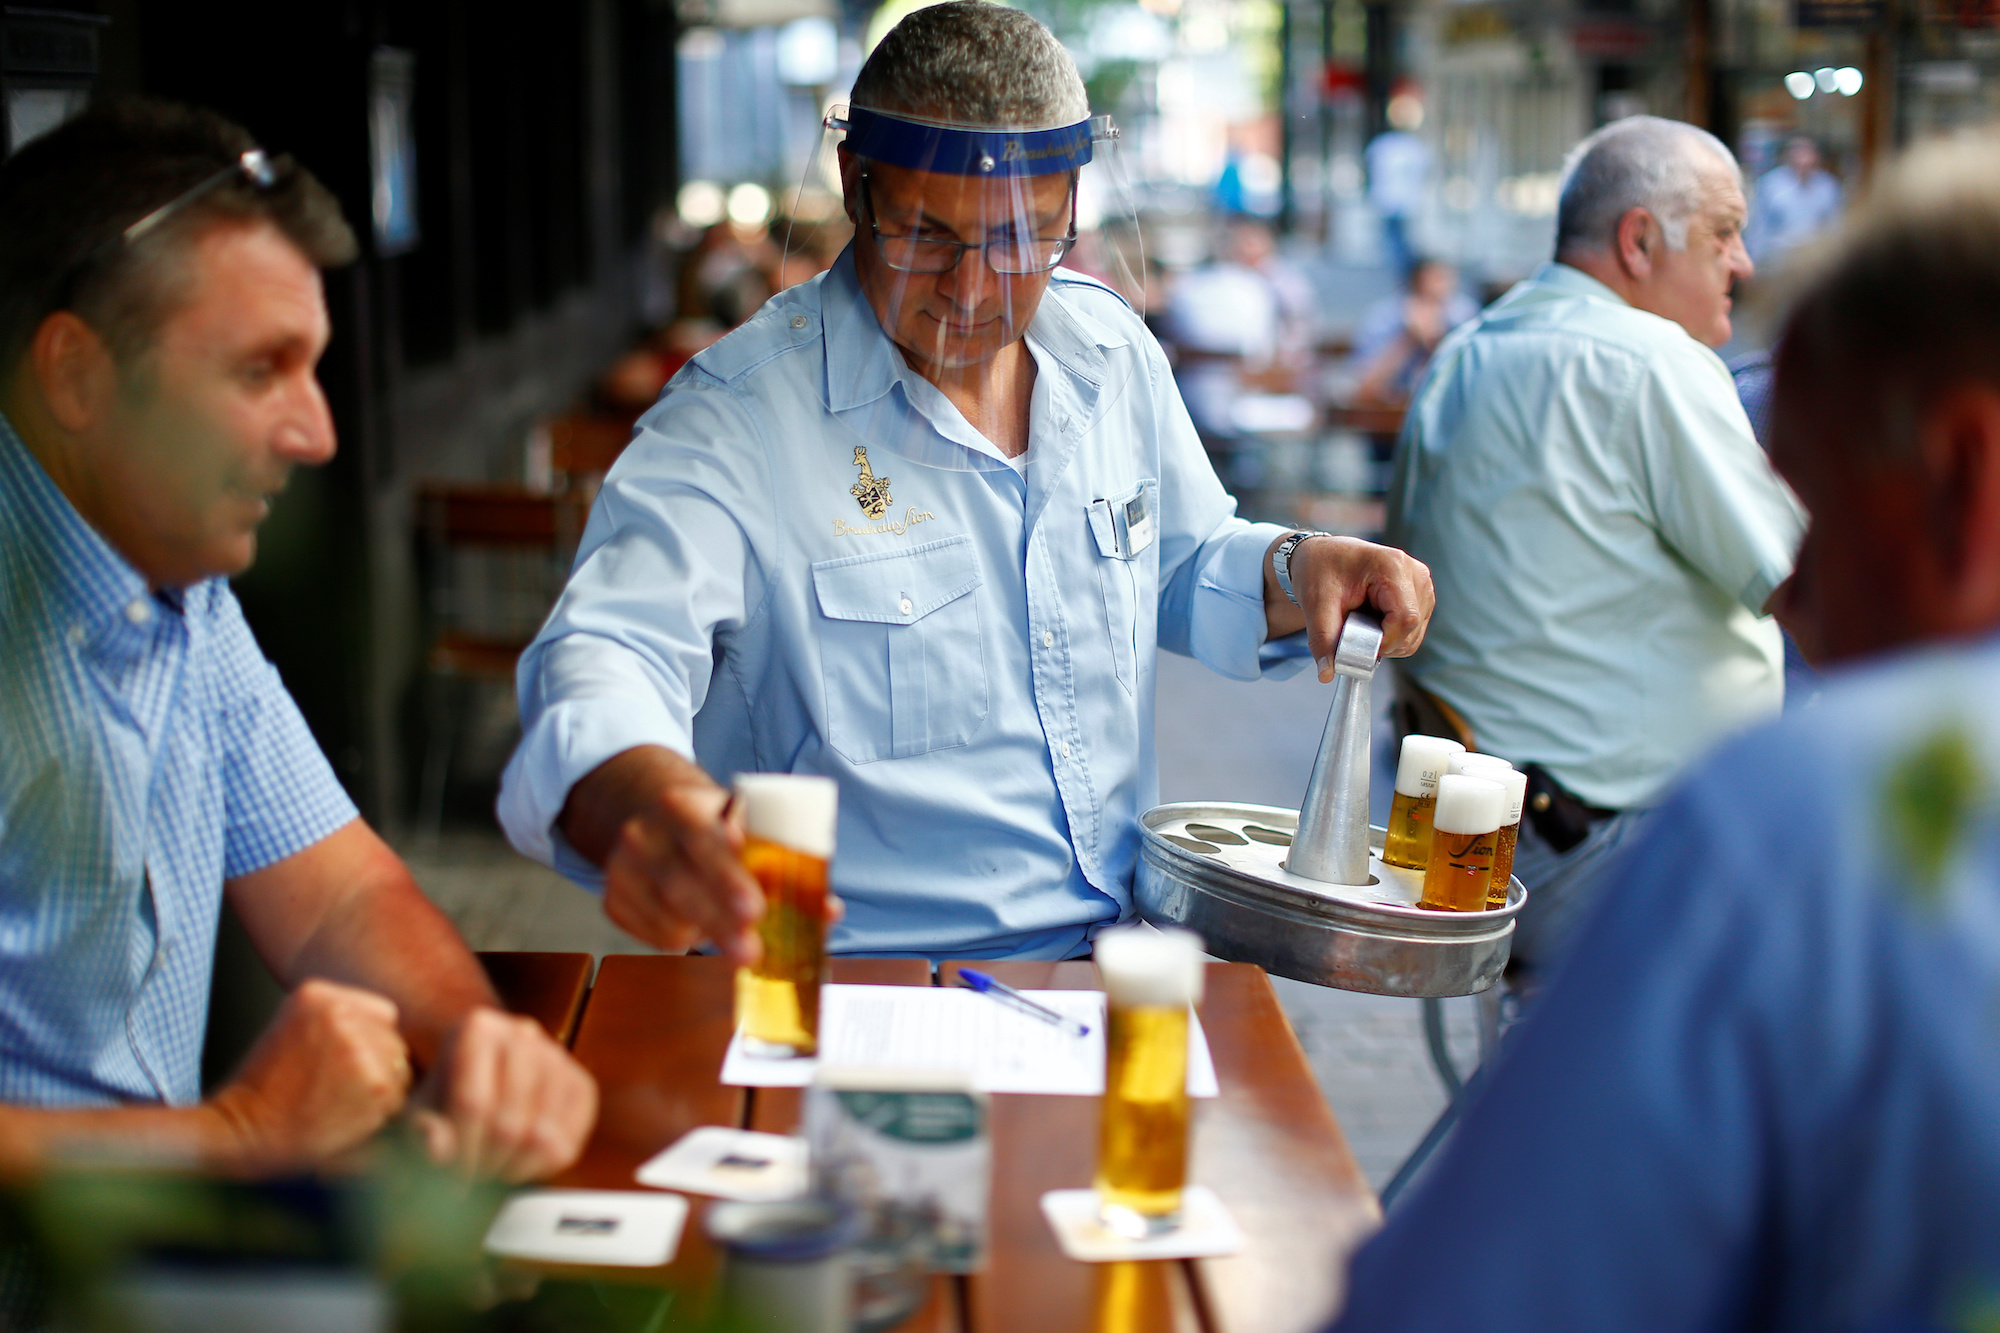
[
  {"x": 1399, "y": 174},
  {"x": 1762, "y": 1093},
  {"x": 1399, "y": 334},
  {"x": 161, "y": 314},
  {"x": 921, "y": 526},
  {"x": 1795, "y": 201},
  {"x": 1603, "y": 529},
  {"x": 1243, "y": 321}
]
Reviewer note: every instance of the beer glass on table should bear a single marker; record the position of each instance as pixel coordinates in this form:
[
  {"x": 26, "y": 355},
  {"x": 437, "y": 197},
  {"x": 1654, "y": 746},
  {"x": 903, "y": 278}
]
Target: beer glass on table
[
  {"x": 1152, "y": 978},
  {"x": 1418, "y": 769},
  {"x": 789, "y": 819}
]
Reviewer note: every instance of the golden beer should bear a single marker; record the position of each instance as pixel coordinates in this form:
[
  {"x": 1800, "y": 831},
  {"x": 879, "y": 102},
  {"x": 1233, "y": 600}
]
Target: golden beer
[
  {"x": 1468, "y": 817},
  {"x": 1143, "y": 1138},
  {"x": 1151, "y": 979},
  {"x": 1503, "y": 864},
  {"x": 789, "y": 820},
  {"x": 777, "y": 1001},
  {"x": 1418, "y": 769}
]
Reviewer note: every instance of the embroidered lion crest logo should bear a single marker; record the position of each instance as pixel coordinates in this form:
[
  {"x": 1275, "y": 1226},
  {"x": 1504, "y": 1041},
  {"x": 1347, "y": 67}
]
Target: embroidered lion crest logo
[{"x": 870, "y": 492}]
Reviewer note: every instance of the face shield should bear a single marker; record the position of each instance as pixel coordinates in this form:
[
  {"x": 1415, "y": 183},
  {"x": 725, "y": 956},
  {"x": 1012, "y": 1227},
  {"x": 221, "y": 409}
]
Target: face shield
[{"x": 959, "y": 230}]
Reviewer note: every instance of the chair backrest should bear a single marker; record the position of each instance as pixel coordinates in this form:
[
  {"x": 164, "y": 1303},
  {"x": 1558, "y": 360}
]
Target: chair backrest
[
  {"x": 495, "y": 559},
  {"x": 584, "y": 444}
]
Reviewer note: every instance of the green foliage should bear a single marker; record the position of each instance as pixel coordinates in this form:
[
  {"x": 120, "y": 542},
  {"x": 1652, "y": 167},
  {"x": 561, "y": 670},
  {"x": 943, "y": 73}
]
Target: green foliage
[{"x": 1930, "y": 801}]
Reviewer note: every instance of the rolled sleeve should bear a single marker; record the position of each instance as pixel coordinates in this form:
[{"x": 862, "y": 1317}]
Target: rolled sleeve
[
  {"x": 627, "y": 655},
  {"x": 1226, "y": 622},
  {"x": 1715, "y": 497}
]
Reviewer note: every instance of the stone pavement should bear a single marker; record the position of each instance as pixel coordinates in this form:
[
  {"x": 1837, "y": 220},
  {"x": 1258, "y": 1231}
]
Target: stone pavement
[{"x": 1218, "y": 739}]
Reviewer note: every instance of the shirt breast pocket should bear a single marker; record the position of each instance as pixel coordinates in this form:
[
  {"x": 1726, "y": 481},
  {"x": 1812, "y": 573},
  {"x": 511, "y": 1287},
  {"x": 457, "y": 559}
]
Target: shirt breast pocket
[
  {"x": 1124, "y": 527},
  {"x": 900, "y": 649}
]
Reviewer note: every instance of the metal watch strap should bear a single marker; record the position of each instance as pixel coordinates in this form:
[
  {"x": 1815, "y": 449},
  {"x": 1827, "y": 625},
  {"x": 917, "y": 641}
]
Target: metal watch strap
[{"x": 1281, "y": 559}]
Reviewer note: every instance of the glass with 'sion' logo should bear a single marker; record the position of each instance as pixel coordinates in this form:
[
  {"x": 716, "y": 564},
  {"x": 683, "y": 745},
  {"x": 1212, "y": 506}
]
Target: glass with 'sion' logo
[
  {"x": 1515, "y": 783},
  {"x": 1461, "y": 869},
  {"x": 1417, "y": 772},
  {"x": 1152, "y": 978},
  {"x": 790, "y": 822}
]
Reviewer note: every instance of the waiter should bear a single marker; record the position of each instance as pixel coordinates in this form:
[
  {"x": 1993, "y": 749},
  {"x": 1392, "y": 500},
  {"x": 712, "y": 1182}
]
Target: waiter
[{"x": 919, "y": 526}]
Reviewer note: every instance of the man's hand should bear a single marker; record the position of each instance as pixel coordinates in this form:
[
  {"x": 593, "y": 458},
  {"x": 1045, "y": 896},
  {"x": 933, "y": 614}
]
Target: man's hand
[
  {"x": 324, "y": 1076},
  {"x": 1334, "y": 575},
  {"x": 672, "y": 876},
  {"x": 505, "y": 1100}
]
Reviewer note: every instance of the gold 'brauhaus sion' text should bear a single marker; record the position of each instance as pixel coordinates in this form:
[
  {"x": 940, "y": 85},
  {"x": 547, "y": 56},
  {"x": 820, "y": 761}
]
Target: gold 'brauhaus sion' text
[{"x": 911, "y": 517}]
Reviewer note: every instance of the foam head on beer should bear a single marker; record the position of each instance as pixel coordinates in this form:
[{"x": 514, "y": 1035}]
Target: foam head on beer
[
  {"x": 1424, "y": 761},
  {"x": 795, "y": 810},
  {"x": 1468, "y": 804},
  {"x": 1489, "y": 766},
  {"x": 1144, "y": 968}
]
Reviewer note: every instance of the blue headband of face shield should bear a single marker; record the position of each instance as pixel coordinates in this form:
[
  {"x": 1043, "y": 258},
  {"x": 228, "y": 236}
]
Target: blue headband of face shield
[{"x": 959, "y": 151}]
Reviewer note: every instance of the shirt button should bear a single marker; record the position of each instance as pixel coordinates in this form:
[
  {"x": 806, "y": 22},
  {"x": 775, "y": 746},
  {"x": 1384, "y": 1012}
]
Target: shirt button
[
  {"x": 76, "y": 635},
  {"x": 906, "y": 606},
  {"x": 1065, "y": 749},
  {"x": 137, "y": 611},
  {"x": 1048, "y": 639},
  {"x": 798, "y": 321}
]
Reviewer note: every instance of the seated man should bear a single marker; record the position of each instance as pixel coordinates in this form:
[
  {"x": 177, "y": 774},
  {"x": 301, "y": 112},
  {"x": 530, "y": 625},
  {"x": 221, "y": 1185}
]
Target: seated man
[
  {"x": 921, "y": 526},
  {"x": 161, "y": 315},
  {"x": 1762, "y": 1092},
  {"x": 1603, "y": 528}
]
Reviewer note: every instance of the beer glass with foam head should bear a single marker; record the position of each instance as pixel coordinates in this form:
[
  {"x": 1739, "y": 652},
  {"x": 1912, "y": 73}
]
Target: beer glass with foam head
[
  {"x": 1417, "y": 772},
  {"x": 1151, "y": 979},
  {"x": 1465, "y": 822},
  {"x": 790, "y": 822},
  {"x": 1495, "y": 769}
]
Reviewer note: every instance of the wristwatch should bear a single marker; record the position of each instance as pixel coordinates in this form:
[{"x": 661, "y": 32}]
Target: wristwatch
[{"x": 1281, "y": 560}]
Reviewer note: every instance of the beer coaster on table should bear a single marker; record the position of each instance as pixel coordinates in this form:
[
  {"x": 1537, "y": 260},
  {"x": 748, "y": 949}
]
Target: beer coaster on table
[
  {"x": 628, "y": 1228},
  {"x": 731, "y": 1164},
  {"x": 1206, "y": 1230}
]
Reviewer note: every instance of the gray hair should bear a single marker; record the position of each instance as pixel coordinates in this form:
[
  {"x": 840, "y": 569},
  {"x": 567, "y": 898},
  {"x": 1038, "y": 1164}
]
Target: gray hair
[
  {"x": 1898, "y": 307},
  {"x": 974, "y": 63},
  {"x": 1644, "y": 162}
]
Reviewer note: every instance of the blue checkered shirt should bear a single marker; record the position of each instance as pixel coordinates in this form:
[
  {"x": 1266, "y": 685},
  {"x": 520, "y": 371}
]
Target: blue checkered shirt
[{"x": 148, "y": 752}]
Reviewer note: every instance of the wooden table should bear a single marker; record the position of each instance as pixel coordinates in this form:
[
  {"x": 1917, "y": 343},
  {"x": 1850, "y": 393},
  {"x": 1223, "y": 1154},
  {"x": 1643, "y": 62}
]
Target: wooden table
[{"x": 654, "y": 1031}]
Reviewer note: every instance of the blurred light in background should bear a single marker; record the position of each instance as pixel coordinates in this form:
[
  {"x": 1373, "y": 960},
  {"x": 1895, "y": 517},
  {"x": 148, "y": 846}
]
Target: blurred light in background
[
  {"x": 700, "y": 203},
  {"x": 1824, "y": 77},
  {"x": 749, "y": 205},
  {"x": 808, "y": 52},
  {"x": 1799, "y": 84},
  {"x": 1848, "y": 80}
]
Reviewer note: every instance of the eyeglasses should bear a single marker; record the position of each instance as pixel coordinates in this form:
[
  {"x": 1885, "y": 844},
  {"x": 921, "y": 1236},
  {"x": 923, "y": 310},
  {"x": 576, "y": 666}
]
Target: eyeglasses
[
  {"x": 1010, "y": 256},
  {"x": 255, "y": 168}
]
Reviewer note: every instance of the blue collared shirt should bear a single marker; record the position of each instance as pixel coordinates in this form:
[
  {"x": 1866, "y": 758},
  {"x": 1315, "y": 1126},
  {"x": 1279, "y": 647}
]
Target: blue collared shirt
[
  {"x": 148, "y": 752},
  {"x": 808, "y": 561},
  {"x": 1603, "y": 533},
  {"x": 1765, "y": 1091}
]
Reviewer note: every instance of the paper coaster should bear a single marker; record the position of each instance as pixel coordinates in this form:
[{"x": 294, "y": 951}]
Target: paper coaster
[
  {"x": 628, "y": 1228},
  {"x": 731, "y": 1164},
  {"x": 1206, "y": 1229}
]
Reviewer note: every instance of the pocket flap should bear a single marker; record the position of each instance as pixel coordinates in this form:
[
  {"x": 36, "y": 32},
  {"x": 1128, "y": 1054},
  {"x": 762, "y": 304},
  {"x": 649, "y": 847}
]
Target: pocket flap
[{"x": 897, "y": 587}]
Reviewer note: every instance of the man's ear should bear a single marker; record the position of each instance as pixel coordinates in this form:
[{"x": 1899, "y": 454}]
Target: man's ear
[
  {"x": 1637, "y": 243},
  {"x": 850, "y": 184},
  {"x": 1959, "y": 444},
  {"x": 73, "y": 369}
]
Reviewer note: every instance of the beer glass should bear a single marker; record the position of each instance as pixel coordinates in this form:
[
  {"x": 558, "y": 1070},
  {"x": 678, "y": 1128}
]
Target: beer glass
[
  {"x": 789, "y": 820},
  {"x": 1417, "y": 772},
  {"x": 1516, "y": 785},
  {"x": 1495, "y": 769},
  {"x": 1151, "y": 978},
  {"x": 1466, "y": 819}
]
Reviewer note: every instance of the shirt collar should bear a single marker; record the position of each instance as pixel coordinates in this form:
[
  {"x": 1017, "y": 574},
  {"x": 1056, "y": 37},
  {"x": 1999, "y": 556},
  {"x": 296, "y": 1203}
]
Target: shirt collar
[
  {"x": 1576, "y": 282},
  {"x": 92, "y": 584},
  {"x": 862, "y": 364}
]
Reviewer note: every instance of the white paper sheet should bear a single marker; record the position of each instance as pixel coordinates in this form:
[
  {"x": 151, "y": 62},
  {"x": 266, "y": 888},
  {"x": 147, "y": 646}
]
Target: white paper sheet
[{"x": 936, "y": 1027}]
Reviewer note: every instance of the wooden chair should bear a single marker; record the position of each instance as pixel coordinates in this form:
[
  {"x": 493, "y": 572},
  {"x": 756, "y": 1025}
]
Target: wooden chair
[{"x": 494, "y": 559}]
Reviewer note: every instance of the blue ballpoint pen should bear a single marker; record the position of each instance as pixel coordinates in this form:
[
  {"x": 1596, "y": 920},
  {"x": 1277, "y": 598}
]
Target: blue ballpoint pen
[{"x": 999, "y": 990}]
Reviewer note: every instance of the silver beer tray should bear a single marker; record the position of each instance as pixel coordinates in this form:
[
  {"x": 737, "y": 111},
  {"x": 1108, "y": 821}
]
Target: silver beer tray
[{"x": 1217, "y": 869}]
